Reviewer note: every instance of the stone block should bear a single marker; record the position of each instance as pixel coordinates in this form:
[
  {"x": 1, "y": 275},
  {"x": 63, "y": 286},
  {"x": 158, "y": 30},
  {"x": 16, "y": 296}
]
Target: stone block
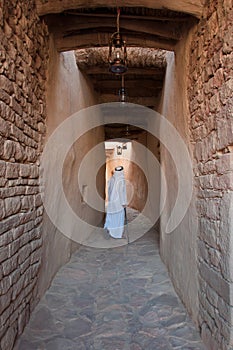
[
  {"x": 2, "y": 211},
  {"x": 225, "y": 310},
  {"x": 4, "y": 254},
  {"x": 6, "y": 112},
  {"x": 218, "y": 79},
  {"x": 35, "y": 256},
  {"x": 25, "y": 265},
  {"x": 206, "y": 181},
  {"x": 212, "y": 296},
  {"x": 7, "y": 341},
  {"x": 6, "y": 84},
  {"x": 224, "y": 163},
  {"x": 2, "y": 168},
  {"x": 27, "y": 202},
  {"x": 5, "y": 285},
  {"x": 14, "y": 247},
  {"x": 34, "y": 172},
  {"x": 36, "y": 244},
  {"x": 215, "y": 257},
  {"x": 18, "y": 283},
  {"x": 12, "y": 170},
  {"x": 38, "y": 200},
  {"x": 215, "y": 281},
  {"x": 25, "y": 170},
  {"x": 207, "y": 337},
  {"x": 10, "y": 265},
  {"x": 213, "y": 209},
  {"x": 26, "y": 217},
  {"x": 224, "y": 133},
  {"x": 214, "y": 103},
  {"x": 5, "y": 239},
  {"x": 12, "y": 205},
  {"x": 224, "y": 182},
  {"x": 23, "y": 319},
  {"x": 5, "y": 301},
  {"x": 8, "y": 224},
  {"x": 203, "y": 250},
  {"x": 24, "y": 253},
  {"x": 32, "y": 190},
  {"x": 9, "y": 149},
  {"x": 4, "y": 128},
  {"x": 19, "y": 122},
  {"x": 19, "y": 152},
  {"x": 16, "y": 106}
]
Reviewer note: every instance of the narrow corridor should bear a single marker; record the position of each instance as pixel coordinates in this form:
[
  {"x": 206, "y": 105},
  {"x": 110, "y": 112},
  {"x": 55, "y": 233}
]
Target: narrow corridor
[{"x": 109, "y": 299}]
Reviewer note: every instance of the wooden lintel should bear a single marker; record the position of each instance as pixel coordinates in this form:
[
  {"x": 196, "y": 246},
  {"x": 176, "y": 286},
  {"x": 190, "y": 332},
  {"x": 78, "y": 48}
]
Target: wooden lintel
[
  {"x": 130, "y": 84},
  {"x": 138, "y": 91},
  {"x": 145, "y": 101},
  {"x": 129, "y": 17},
  {"x": 64, "y": 25},
  {"x": 145, "y": 71},
  {"x": 194, "y": 8},
  {"x": 102, "y": 40}
]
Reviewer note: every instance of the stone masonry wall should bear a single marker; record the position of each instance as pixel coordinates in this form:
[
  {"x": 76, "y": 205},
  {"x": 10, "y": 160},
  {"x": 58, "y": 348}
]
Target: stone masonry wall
[
  {"x": 211, "y": 124},
  {"x": 22, "y": 126}
]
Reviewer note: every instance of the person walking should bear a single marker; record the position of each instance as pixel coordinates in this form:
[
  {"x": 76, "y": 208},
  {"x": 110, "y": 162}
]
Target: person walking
[{"x": 117, "y": 202}]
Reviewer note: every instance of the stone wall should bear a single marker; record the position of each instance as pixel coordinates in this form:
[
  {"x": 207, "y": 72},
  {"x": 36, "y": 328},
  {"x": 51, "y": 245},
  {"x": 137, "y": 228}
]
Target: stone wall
[
  {"x": 211, "y": 125},
  {"x": 23, "y": 58}
]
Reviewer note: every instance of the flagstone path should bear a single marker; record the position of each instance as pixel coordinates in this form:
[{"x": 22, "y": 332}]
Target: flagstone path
[{"x": 112, "y": 299}]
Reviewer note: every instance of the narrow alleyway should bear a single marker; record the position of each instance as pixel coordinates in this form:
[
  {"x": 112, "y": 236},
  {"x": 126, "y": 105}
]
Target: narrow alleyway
[{"x": 110, "y": 299}]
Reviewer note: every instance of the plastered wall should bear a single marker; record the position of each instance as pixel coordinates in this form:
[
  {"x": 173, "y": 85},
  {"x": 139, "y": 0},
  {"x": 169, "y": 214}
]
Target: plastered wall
[
  {"x": 179, "y": 248},
  {"x": 68, "y": 91}
]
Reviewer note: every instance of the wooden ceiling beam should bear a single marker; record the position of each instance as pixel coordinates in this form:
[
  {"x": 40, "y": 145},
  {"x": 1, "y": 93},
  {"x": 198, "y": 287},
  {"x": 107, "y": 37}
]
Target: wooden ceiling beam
[
  {"x": 194, "y": 8},
  {"x": 136, "y": 92},
  {"x": 74, "y": 42},
  {"x": 129, "y": 17},
  {"x": 140, "y": 71},
  {"x": 65, "y": 25},
  {"x": 130, "y": 84},
  {"x": 145, "y": 101}
]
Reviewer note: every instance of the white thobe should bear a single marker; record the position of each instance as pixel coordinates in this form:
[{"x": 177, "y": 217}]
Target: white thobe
[{"x": 117, "y": 198}]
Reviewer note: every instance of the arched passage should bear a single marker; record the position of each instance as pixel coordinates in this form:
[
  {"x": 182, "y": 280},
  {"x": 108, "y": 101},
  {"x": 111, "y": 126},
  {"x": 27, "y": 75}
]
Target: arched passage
[{"x": 196, "y": 98}]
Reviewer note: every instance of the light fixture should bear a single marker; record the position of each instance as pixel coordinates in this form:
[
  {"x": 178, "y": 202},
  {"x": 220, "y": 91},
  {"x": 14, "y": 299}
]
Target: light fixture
[
  {"x": 119, "y": 150},
  {"x": 117, "y": 51},
  {"x": 122, "y": 91}
]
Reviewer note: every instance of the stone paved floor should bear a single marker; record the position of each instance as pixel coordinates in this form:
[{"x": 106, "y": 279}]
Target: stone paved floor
[{"x": 112, "y": 299}]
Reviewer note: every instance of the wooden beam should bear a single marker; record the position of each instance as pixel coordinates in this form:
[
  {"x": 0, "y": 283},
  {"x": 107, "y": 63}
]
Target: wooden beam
[
  {"x": 137, "y": 57},
  {"x": 100, "y": 70},
  {"x": 194, "y": 8},
  {"x": 129, "y": 84},
  {"x": 64, "y": 25},
  {"x": 131, "y": 16},
  {"x": 144, "y": 101},
  {"x": 75, "y": 42},
  {"x": 138, "y": 91}
]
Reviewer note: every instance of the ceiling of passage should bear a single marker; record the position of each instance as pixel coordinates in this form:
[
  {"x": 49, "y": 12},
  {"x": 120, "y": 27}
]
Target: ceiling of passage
[{"x": 149, "y": 27}]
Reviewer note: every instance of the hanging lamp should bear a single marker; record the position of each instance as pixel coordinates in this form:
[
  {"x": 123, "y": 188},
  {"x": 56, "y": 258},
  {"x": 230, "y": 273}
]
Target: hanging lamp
[{"x": 117, "y": 57}]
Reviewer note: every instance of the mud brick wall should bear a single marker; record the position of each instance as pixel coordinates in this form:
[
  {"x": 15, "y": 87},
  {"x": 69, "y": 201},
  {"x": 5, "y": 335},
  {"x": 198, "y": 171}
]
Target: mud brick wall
[
  {"x": 23, "y": 56},
  {"x": 211, "y": 107}
]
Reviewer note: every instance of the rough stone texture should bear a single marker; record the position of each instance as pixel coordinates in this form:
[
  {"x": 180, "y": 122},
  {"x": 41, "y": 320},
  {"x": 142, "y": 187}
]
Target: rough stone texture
[
  {"x": 211, "y": 125},
  {"x": 23, "y": 59}
]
